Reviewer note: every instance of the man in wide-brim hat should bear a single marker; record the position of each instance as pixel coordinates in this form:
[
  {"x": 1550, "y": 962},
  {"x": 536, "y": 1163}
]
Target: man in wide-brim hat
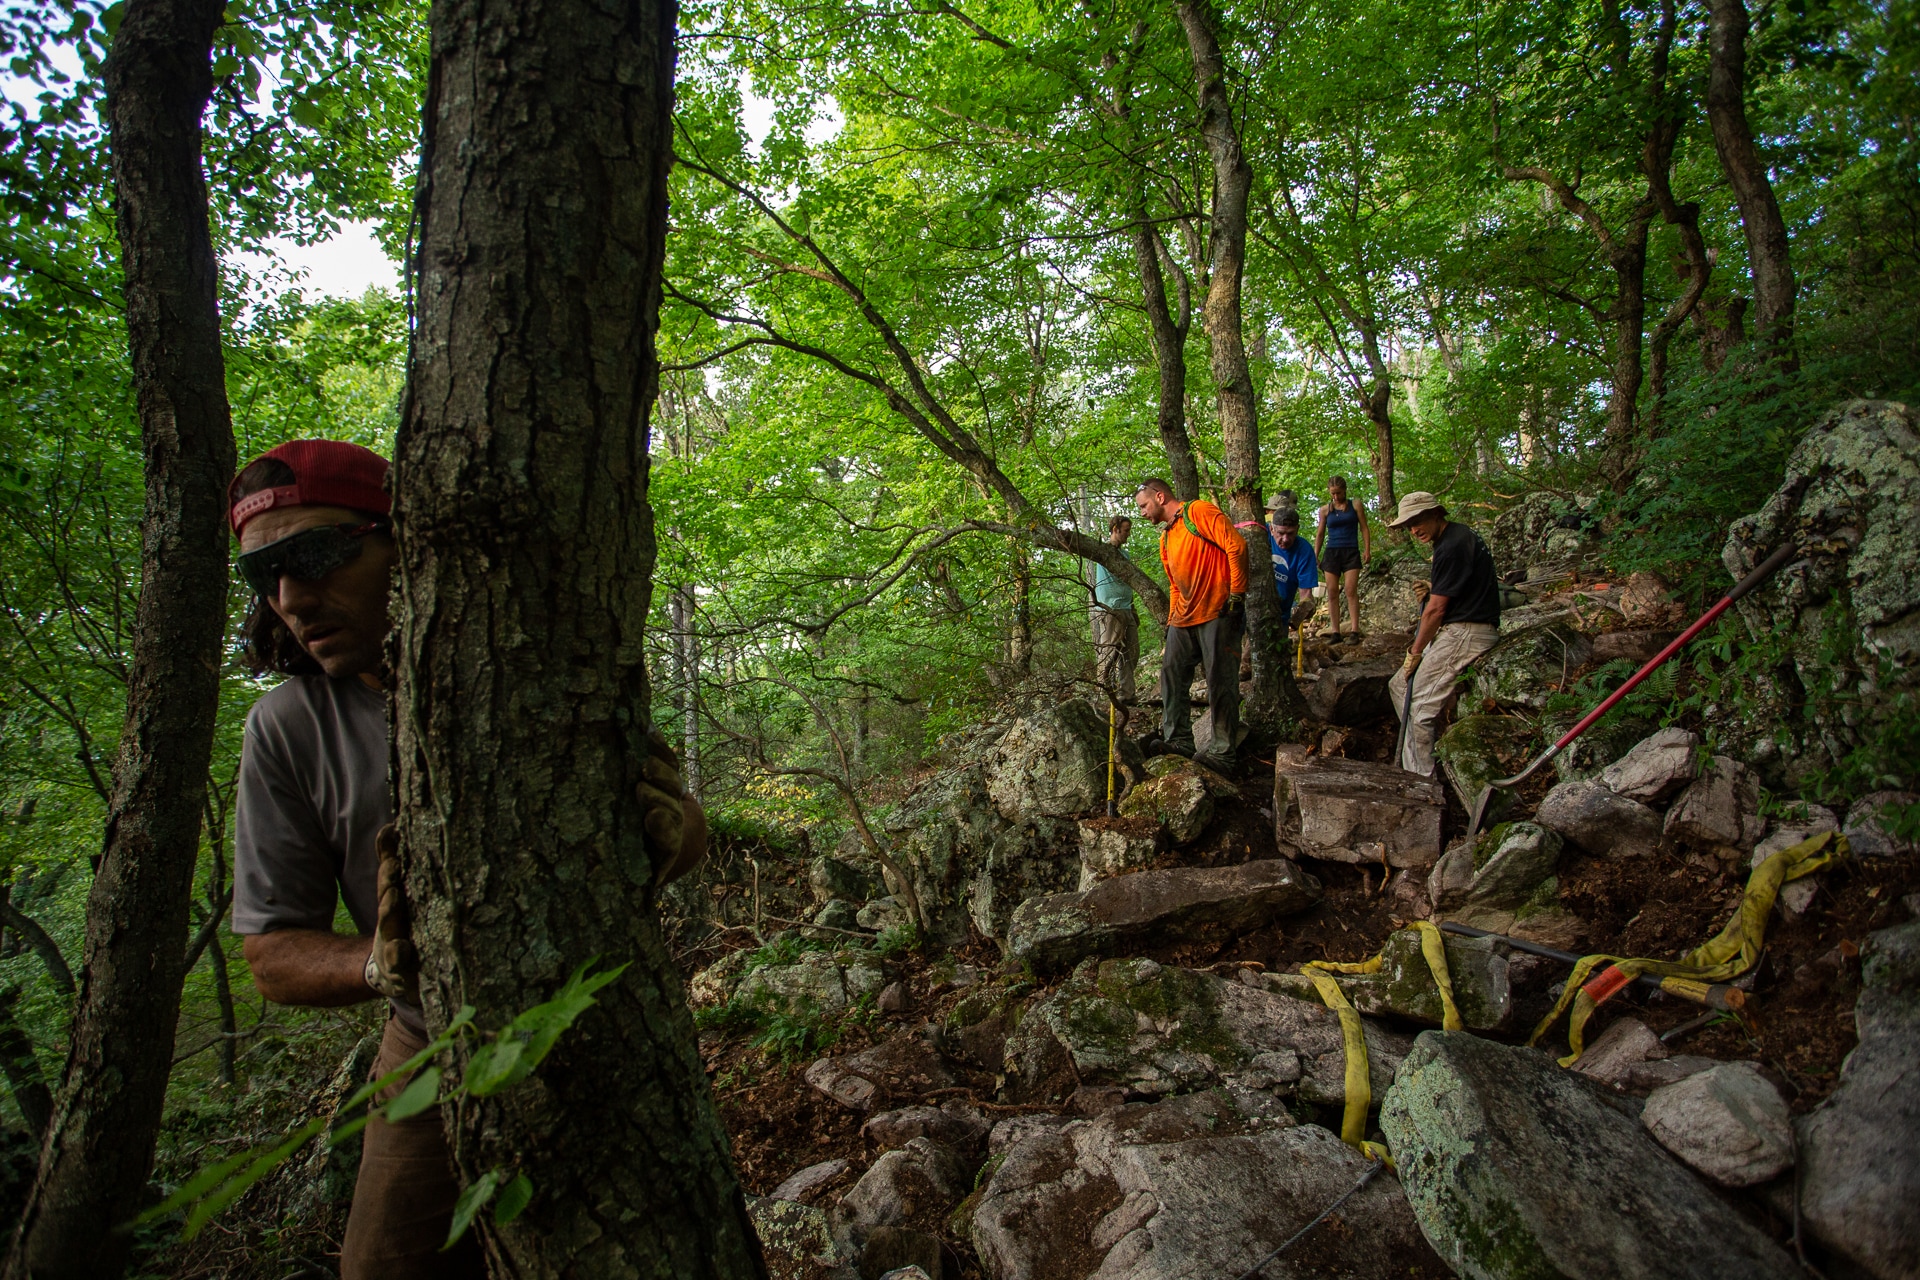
[{"x": 1459, "y": 623}]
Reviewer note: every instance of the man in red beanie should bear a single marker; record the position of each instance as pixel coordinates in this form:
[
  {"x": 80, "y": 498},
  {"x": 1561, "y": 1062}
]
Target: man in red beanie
[{"x": 313, "y": 821}]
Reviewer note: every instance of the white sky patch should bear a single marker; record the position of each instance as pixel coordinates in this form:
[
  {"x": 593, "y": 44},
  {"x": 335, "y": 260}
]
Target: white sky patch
[
  {"x": 345, "y": 265},
  {"x": 756, "y": 117}
]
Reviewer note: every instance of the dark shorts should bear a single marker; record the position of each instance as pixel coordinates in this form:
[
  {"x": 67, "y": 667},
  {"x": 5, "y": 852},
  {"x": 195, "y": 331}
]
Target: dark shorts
[{"x": 1339, "y": 560}]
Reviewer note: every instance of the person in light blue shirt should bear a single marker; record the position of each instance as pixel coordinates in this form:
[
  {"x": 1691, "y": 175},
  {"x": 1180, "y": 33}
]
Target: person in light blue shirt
[
  {"x": 1296, "y": 571},
  {"x": 1116, "y": 627}
]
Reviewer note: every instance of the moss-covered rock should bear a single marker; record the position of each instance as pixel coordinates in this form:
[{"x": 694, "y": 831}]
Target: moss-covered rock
[
  {"x": 1518, "y": 1170},
  {"x": 1405, "y": 987},
  {"x": 1181, "y": 802},
  {"x": 1477, "y": 749}
]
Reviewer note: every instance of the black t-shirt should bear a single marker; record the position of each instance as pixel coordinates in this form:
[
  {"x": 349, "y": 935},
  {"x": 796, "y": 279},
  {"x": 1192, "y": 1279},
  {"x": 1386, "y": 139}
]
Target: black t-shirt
[{"x": 1463, "y": 573}]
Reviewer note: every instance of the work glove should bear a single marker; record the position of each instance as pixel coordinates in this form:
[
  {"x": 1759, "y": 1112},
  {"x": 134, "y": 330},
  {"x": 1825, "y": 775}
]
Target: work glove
[
  {"x": 1413, "y": 660},
  {"x": 663, "y": 801},
  {"x": 1237, "y": 606},
  {"x": 393, "y": 966}
]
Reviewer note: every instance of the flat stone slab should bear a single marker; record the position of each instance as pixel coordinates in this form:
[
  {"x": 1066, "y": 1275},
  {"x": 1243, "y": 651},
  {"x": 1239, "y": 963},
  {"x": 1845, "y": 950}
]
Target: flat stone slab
[
  {"x": 1179, "y": 904},
  {"x": 1518, "y": 1168},
  {"x": 1356, "y": 811},
  {"x": 1158, "y": 1030}
]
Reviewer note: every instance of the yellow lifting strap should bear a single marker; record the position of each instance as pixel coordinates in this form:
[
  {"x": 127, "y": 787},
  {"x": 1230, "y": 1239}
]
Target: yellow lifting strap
[
  {"x": 1730, "y": 953},
  {"x": 1359, "y": 1085}
]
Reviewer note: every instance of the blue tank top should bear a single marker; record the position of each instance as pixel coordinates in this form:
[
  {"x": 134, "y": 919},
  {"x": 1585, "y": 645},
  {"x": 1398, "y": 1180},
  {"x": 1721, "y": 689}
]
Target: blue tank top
[{"x": 1343, "y": 527}]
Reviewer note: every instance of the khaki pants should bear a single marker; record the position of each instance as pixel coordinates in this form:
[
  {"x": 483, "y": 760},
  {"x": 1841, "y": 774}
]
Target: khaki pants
[
  {"x": 403, "y": 1199},
  {"x": 1116, "y": 648},
  {"x": 1453, "y": 650}
]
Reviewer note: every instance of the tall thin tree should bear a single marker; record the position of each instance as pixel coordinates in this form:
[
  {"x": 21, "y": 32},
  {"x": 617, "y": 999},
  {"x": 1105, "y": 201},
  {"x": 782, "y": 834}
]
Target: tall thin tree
[
  {"x": 1768, "y": 250},
  {"x": 526, "y": 555},
  {"x": 1274, "y": 697},
  {"x": 106, "y": 1115}
]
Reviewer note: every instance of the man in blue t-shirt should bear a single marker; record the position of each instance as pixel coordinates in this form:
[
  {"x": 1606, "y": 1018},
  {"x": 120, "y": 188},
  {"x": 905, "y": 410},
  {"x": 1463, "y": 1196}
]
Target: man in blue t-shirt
[
  {"x": 1116, "y": 628},
  {"x": 1296, "y": 571}
]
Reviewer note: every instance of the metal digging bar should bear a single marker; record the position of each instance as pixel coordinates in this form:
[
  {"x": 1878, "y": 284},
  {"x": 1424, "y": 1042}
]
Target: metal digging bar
[{"x": 1764, "y": 570}]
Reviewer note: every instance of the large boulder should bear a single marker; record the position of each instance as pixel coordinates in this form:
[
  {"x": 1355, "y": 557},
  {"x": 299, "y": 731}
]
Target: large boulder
[
  {"x": 1051, "y": 763},
  {"x": 1179, "y": 801},
  {"x": 1356, "y": 811},
  {"x": 1729, "y": 1123},
  {"x": 1505, "y": 881},
  {"x": 819, "y": 983},
  {"x": 914, "y": 1186},
  {"x": 1541, "y": 535},
  {"x": 1178, "y": 904},
  {"x": 1657, "y": 767},
  {"x": 1516, "y": 1168},
  {"x": 1477, "y": 749},
  {"x": 970, "y": 865},
  {"x": 1600, "y": 822},
  {"x": 833, "y": 879},
  {"x": 1352, "y": 691},
  {"x": 1720, "y": 809},
  {"x": 1846, "y": 501},
  {"x": 1158, "y": 1029},
  {"x": 1859, "y": 1181},
  {"x": 1530, "y": 664},
  {"x": 1183, "y": 1189}
]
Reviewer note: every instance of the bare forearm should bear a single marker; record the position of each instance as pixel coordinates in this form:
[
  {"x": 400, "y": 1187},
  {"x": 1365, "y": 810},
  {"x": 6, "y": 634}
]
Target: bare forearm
[{"x": 310, "y": 967}]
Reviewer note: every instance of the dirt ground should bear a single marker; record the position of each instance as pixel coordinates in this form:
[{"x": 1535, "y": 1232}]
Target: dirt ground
[{"x": 1799, "y": 1022}]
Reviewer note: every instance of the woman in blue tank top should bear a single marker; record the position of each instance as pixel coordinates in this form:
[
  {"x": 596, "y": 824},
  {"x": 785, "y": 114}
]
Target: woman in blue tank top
[{"x": 1344, "y": 544}]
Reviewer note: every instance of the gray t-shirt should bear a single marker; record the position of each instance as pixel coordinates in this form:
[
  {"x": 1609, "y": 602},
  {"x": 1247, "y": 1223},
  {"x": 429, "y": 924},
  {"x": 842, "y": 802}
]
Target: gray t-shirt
[{"x": 313, "y": 795}]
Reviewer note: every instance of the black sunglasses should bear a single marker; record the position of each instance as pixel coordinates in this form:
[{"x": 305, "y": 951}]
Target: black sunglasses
[{"x": 309, "y": 555}]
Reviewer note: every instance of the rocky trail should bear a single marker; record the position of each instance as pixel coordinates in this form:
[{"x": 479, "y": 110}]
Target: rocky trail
[{"x": 1103, "y": 1060}]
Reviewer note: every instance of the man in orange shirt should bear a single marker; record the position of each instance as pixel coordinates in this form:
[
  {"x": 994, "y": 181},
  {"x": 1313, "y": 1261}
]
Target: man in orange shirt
[{"x": 1206, "y": 564}]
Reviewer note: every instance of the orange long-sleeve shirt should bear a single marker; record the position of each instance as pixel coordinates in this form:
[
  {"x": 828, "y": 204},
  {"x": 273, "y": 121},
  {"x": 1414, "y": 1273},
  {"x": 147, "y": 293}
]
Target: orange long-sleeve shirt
[{"x": 1202, "y": 571}]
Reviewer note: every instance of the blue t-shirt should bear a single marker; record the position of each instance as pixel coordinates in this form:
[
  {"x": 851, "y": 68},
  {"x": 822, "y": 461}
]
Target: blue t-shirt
[
  {"x": 1295, "y": 569},
  {"x": 1109, "y": 590}
]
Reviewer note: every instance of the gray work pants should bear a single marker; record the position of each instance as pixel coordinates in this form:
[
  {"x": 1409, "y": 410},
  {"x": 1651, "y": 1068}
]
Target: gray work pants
[{"x": 1215, "y": 644}]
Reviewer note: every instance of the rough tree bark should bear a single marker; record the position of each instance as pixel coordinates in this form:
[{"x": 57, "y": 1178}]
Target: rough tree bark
[
  {"x": 99, "y": 1145},
  {"x": 526, "y": 552},
  {"x": 1273, "y": 698},
  {"x": 1768, "y": 255}
]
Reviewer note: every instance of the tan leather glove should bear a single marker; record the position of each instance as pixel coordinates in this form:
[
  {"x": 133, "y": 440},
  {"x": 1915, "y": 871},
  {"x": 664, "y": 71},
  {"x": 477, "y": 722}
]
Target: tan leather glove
[
  {"x": 1413, "y": 660},
  {"x": 393, "y": 966},
  {"x": 664, "y": 800}
]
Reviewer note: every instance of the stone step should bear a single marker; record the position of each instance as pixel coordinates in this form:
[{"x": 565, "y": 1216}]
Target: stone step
[
  {"x": 1179, "y": 904},
  {"x": 1357, "y": 811},
  {"x": 1353, "y": 692}
]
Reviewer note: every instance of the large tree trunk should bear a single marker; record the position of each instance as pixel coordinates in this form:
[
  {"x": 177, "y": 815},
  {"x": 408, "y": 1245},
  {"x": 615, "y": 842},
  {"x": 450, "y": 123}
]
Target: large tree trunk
[
  {"x": 1766, "y": 231},
  {"x": 1169, "y": 351},
  {"x": 526, "y": 554},
  {"x": 1273, "y": 699},
  {"x": 99, "y": 1146}
]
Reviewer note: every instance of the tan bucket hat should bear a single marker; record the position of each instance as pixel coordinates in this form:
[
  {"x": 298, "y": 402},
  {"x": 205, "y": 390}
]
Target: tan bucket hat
[{"x": 1413, "y": 504}]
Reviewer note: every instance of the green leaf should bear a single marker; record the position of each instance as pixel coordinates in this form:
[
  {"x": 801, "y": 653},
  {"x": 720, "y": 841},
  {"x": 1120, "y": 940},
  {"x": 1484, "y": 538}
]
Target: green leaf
[
  {"x": 306, "y": 113},
  {"x": 495, "y": 1066},
  {"x": 471, "y": 1201},
  {"x": 513, "y": 1200},
  {"x": 416, "y": 1097},
  {"x": 225, "y": 65}
]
